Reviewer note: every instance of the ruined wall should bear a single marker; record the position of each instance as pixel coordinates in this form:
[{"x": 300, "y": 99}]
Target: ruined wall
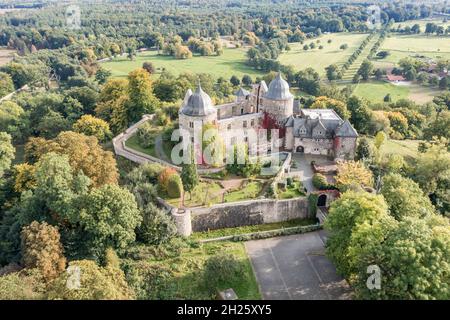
[
  {"x": 248, "y": 213},
  {"x": 345, "y": 148}
]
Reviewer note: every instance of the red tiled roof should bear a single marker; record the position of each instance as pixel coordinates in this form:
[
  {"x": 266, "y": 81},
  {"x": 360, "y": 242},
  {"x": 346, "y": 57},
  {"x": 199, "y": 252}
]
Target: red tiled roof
[{"x": 393, "y": 77}]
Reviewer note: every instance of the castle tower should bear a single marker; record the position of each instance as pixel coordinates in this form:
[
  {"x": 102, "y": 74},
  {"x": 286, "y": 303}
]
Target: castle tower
[{"x": 278, "y": 102}]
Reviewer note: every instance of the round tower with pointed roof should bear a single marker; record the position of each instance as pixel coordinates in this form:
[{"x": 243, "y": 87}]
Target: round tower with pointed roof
[
  {"x": 278, "y": 101},
  {"x": 197, "y": 109}
]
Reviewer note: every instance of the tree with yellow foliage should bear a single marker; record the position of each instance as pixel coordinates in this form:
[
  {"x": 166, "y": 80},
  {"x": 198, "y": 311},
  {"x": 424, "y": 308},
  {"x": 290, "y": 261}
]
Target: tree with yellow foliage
[
  {"x": 92, "y": 126},
  {"x": 24, "y": 177},
  {"x": 353, "y": 174}
]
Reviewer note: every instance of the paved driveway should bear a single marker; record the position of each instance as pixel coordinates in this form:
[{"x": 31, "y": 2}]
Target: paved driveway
[{"x": 295, "y": 268}]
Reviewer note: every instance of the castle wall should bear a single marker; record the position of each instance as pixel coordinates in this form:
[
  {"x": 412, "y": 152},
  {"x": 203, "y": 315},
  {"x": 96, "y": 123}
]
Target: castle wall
[
  {"x": 315, "y": 146},
  {"x": 248, "y": 213},
  {"x": 344, "y": 147}
]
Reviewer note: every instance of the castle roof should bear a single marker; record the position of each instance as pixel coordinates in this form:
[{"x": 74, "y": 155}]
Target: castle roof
[
  {"x": 278, "y": 89},
  {"x": 198, "y": 103},
  {"x": 313, "y": 121},
  {"x": 241, "y": 92},
  {"x": 346, "y": 130}
]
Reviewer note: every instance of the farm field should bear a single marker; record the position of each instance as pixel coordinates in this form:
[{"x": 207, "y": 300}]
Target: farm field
[
  {"x": 317, "y": 58},
  {"x": 375, "y": 91},
  {"x": 231, "y": 62}
]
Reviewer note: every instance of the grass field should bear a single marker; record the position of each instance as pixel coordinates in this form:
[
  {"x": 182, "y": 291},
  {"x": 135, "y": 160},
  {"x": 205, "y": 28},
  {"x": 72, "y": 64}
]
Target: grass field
[
  {"x": 6, "y": 56},
  {"x": 231, "y": 62},
  {"x": 405, "y": 148},
  {"x": 422, "y": 23},
  {"x": 375, "y": 91},
  {"x": 321, "y": 58}
]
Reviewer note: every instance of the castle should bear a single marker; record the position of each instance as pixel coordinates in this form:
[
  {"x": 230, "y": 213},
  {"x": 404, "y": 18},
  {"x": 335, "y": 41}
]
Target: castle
[{"x": 308, "y": 131}]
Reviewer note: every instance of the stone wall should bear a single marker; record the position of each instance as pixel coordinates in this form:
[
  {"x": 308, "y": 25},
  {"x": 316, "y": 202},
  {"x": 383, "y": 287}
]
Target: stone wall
[{"x": 248, "y": 213}]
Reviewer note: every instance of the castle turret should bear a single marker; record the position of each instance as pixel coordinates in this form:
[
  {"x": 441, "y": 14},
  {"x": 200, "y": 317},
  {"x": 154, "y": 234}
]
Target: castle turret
[{"x": 278, "y": 102}]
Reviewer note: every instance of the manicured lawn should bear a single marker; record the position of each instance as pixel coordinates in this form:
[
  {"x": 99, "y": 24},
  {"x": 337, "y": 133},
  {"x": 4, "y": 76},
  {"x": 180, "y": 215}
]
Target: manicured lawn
[
  {"x": 133, "y": 143},
  {"x": 250, "y": 191},
  {"x": 205, "y": 193},
  {"x": 231, "y": 62},
  {"x": 321, "y": 58},
  {"x": 249, "y": 229},
  {"x": 422, "y": 23},
  {"x": 292, "y": 191}
]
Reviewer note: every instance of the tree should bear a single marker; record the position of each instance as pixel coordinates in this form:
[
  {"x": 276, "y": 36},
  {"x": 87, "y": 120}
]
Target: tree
[
  {"x": 320, "y": 181},
  {"x": 360, "y": 114},
  {"x": 6, "y": 84},
  {"x": 96, "y": 283},
  {"x": 343, "y": 46},
  {"x": 189, "y": 176},
  {"x": 7, "y": 152},
  {"x": 380, "y": 138},
  {"x": 432, "y": 172},
  {"x": 339, "y": 107},
  {"x": 438, "y": 127},
  {"x": 92, "y": 126},
  {"x": 131, "y": 53},
  {"x": 42, "y": 249},
  {"x": 163, "y": 178},
  {"x": 405, "y": 198},
  {"x": 353, "y": 174},
  {"x": 235, "y": 80},
  {"x": 24, "y": 177},
  {"x": 247, "y": 80},
  {"x": 157, "y": 226},
  {"x": 174, "y": 186},
  {"x": 102, "y": 75},
  {"x": 332, "y": 72},
  {"x": 364, "y": 150},
  {"x": 308, "y": 80},
  {"x": 108, "y": 217},
  {"x": 182, "y": 52},
  {"x": 351, "y": 214},
  {"x": 12, "y": 119},
  {"x": 24, "y": 285},
  {"x": 51, "y": 124},
  {"x": 149, "y": 67},
  {"x": 365, "y": 70},
  {"x": 398, "y": 121},
  {"x": 443, "y": 83},
  {"x": 141, "y": 98},
  {"x": 413, "y": 258},
  {"x": 387, "y": 98},
  {"x": 84, "y": 153}
]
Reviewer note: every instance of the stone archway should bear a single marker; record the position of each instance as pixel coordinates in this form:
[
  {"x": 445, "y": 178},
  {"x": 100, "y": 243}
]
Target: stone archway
[
  {"x": 322, "y": 200},
  {"x": 300, "y": 149}
]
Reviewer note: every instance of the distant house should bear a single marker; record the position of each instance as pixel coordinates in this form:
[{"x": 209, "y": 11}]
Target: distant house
[{"x": 395, "y": 78}]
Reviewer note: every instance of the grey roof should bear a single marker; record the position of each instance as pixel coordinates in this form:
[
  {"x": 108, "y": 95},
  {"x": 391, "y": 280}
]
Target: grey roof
[
  {"x": 346, "y": 130},
  {"x": 241, "y": 92},
  {"x": 198, "y": 104},
  {"x": 278, "y": 89},
  {"x": 312, "y": 122}
]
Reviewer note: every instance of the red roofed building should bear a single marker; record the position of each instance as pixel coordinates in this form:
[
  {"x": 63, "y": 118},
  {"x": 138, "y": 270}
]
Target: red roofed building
[{"x": 395, "y": 78}]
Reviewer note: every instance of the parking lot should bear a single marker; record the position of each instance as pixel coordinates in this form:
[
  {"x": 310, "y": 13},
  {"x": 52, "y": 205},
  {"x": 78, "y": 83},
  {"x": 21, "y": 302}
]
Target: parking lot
[{"x": 295, "y": 268}]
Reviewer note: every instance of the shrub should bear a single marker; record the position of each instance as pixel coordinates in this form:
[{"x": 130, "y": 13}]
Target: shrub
[
  {"x": 221, "y": 271},
  {"x": 174, "y": 186},
  {"x": 164, "y": 176},
  {"x": 145, "y": 135},
  {"x": 320, "y": 181},
  {"x": 289, "y": 181},
  {"x": 157, "y": 226}
]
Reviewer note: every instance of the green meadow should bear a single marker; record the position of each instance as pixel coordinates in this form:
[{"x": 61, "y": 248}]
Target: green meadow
[
  {"x": 231, "y": 62},
  {"x": 317, "y": 58}
]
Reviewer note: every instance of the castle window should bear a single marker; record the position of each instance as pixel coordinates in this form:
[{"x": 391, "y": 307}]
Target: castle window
[
  {"x": 229, "y": 127},
  {"x": 244, "y": 124},
  {"x": 252, "y": 123},
  {"x": 192, "y": 139},
  {"x": 242, "y": 110},
  {"x": 246, "y": 139},
  {"x": 191, "y": 124}
]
